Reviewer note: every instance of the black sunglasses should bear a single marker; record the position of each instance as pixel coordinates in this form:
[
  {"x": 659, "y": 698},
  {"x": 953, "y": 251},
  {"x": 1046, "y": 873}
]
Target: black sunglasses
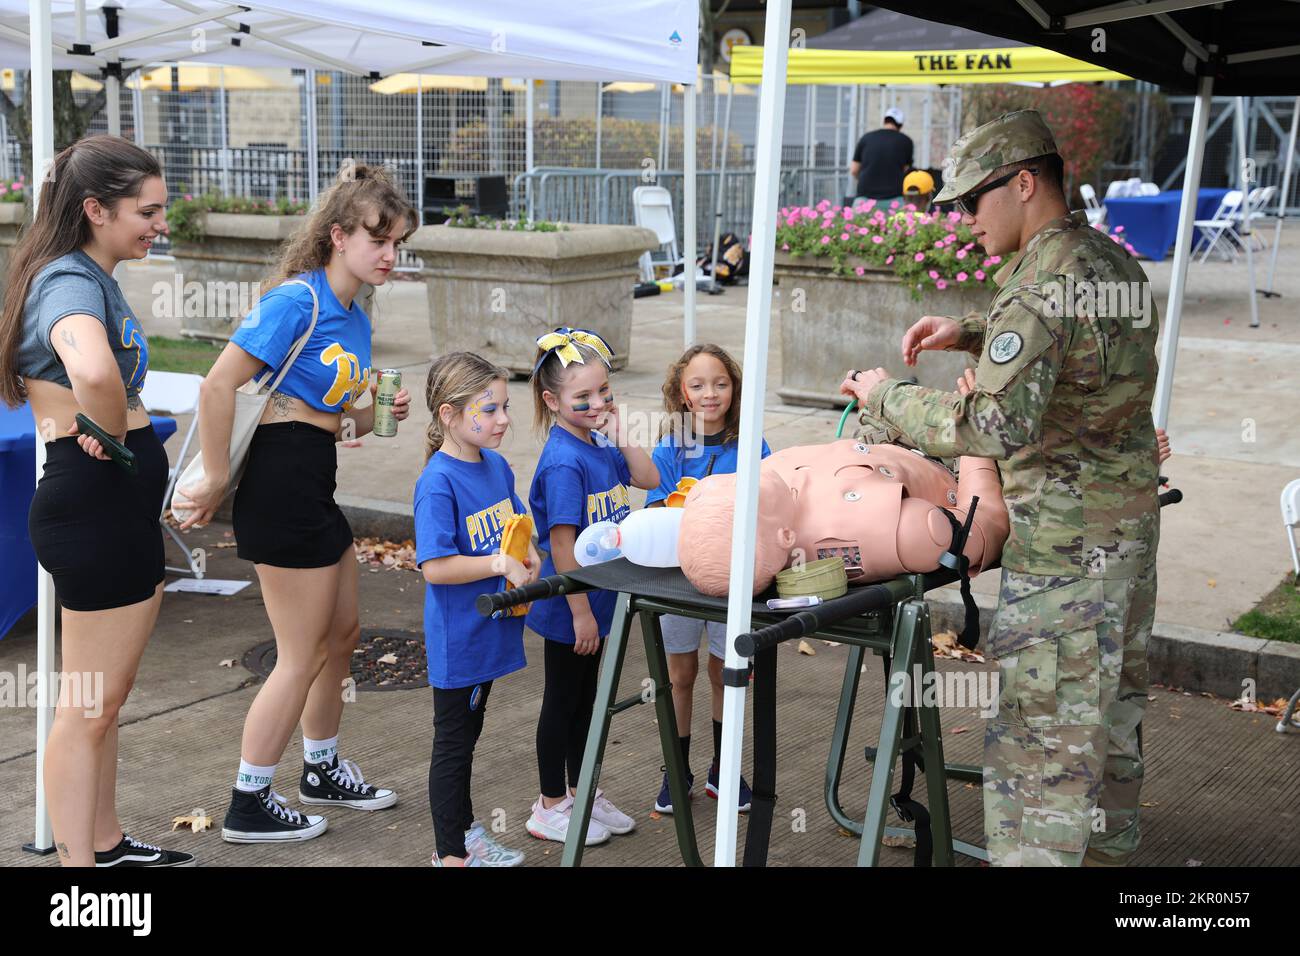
[{"x": 969, "y": 203}]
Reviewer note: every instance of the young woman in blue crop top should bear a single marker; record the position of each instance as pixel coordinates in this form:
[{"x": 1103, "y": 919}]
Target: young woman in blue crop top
[
  {"x": 285, "y": 518},
  {"x": 70, "y": 343}
]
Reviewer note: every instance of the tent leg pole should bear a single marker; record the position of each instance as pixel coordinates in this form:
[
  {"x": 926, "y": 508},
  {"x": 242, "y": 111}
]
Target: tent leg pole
[
  {"x": 1182, "y": 248},
  {"x": 1282, "y": 197},
  {"x": 718, "y": 194},
  {"x": 758, "y": 322},
  {"x": 689, "y": 239},
  {"x": 1244, "y": 180},
  {"x": 42, "y": 113}
]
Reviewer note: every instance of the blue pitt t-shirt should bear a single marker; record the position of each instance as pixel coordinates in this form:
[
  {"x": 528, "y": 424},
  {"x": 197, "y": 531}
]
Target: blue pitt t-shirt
[
  {"x": 461, "y": 508},
  {"x": 334, "y": 368},
  {"x": 579, "y": 484},
  {"x": 708, "y": 456}
]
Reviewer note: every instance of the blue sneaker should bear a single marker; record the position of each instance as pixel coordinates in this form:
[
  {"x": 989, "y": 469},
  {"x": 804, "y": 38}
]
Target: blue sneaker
[
  {"x": 746, "y": 795},
  {"x": 664, "y": 804}
]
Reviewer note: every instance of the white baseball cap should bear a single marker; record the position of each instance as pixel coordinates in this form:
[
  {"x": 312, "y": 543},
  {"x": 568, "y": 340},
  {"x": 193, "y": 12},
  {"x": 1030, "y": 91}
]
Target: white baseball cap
[{"x": 894, "y": 113}]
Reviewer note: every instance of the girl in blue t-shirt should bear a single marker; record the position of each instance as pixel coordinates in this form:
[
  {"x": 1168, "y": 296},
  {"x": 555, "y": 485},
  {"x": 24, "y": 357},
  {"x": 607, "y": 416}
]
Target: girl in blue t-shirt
[
  {"x": 702, "y": 399},
  {"x": 581, "y": 478},
  {"x": 285, "y": 517},
  {"x": 462, "y": 500}
]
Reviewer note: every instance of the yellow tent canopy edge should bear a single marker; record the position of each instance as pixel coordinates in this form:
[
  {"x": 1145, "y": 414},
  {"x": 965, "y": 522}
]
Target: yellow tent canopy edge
[{"x": 1021, "y": 64}]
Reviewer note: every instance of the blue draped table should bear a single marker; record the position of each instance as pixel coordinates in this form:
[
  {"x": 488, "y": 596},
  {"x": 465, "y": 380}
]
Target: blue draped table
[{"x": 1151, "y": 222}]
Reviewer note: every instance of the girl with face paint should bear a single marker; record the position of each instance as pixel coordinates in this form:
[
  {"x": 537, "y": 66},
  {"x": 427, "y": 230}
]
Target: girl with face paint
[{"x": 582, "y": 477}]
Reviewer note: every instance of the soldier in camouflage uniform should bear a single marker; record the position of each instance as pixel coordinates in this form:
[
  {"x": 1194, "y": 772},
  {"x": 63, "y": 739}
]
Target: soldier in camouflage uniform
[{"x": 1062, "y": 398}]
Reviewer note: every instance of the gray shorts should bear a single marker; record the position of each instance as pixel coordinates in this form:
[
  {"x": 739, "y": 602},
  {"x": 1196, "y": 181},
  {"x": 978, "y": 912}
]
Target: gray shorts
[{"x": 682, "y": 635}]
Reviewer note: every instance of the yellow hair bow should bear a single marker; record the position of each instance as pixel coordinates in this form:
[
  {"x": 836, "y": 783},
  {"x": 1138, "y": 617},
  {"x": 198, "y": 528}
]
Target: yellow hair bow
[{"x": 564, "y": 343}]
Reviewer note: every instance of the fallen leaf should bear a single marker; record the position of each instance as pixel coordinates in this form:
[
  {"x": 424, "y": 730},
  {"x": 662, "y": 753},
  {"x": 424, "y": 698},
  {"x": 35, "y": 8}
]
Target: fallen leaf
[
  {"x": 806, "y": 648},
  {"x": 388, "y": 659},
  {"x": 845, "y": 833},
  {"x": 904, "y": 841},
  {"x": 654, "y": 814},
  {"x": 228, "y": 662},
  {"x": 1212, "y": 583},
  {"x": 1153, "y": 803},
  {"x": 196, "y": 820}
]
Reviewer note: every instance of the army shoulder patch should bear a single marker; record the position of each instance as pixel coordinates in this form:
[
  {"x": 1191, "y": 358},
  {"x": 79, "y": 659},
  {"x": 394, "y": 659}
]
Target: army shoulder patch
[{"x": 1005, "y": 347}]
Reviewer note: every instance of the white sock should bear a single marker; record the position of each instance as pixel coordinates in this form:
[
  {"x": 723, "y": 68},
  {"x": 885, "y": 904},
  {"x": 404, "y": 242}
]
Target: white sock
[
  {"x": 320, "y": 751},
  {"x": 253, "y": 778}
]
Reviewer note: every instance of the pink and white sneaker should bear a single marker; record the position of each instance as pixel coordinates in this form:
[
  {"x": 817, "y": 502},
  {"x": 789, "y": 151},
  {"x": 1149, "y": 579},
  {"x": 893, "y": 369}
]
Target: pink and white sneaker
[
  {"x": 553, "y": 823},
  {"x": 609, "y": 816}
]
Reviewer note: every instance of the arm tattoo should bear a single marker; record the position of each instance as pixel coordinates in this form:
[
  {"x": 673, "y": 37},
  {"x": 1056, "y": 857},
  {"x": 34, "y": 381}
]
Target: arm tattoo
[
  {"x": 70, "y": 340},
  {"x": 133, "y": 403},
  {"x": 282, "y": 405},
  {"x": 63, "y": 850}
]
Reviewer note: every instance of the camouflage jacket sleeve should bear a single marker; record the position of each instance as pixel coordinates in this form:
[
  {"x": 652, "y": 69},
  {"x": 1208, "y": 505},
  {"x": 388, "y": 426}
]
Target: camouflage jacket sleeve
[
  {"x": 1013, "y": 382},
  {"x": 971, "y": 340}
]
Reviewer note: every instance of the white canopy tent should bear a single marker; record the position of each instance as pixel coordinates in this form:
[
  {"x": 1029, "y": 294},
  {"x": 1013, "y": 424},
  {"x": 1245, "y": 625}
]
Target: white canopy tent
[
  {"x": 654, "y": 40},
  {"x": 1241, "y": 51}
]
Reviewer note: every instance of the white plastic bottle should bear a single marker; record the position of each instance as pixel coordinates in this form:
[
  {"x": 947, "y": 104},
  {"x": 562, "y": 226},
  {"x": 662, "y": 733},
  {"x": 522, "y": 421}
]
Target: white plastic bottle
[
  {"x": 590, "y": 548},
  {"x": 648, "y": 537}
]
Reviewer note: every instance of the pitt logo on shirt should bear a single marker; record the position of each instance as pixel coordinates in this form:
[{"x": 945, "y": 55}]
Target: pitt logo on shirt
[
  {"x": 485, "y": 526},
  {"x": 607, "y": 505},
  {"x": 350, "y": 379}
]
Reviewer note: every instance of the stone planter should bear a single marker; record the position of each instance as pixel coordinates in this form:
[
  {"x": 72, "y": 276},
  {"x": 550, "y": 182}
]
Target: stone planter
[
  {"x": 11, "y": 220},
  {"x": 858, "y": 322},
  {"x": 494, "y": 292}
]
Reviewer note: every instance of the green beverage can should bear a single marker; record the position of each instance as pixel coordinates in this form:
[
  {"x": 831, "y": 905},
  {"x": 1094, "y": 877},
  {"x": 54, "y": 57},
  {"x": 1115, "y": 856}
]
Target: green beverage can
[{"x": 390, "y": 381}]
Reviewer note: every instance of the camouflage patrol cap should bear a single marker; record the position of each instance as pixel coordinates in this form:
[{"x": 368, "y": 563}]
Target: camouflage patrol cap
[{"x": 1008, "y": 139}]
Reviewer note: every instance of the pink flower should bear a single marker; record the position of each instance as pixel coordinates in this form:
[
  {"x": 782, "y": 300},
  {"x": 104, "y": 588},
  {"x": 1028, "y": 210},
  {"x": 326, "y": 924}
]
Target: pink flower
[
  {"x": 910, "y": 232},
  {"x": 894, "y": 204},
  {"x": 954, "y": 216},
  {"x": 979, "y": 274},
  {"x": 939, "y": 244},
  {"x": 823, "y": 204},
  {"x": 961, "y": 277},
  {"x": 889, "y": 260},
  {"x": 16, "y": 187},
  {"x": 934, "y": 274},
  {"x": 1130, "y": 249},
  {"x": 848, "y": 212},
  {"x": 941, "y": 284},
  {"x": 877, "y": 239},
  {"x": 1119, "y": 228},
  {"x": 961, "y": 253},
  {"x": 189, "y": 196},
  {"x": 825, "y": 240},
  {"x": 995, "y": 259},
  {"x": 870, "y": 203},
  {"x": 785, "y": 247},
  {"x": 860, "y": 271},
  {"x": 919, "y": 257},
  {"x": 844, "y": 237}
]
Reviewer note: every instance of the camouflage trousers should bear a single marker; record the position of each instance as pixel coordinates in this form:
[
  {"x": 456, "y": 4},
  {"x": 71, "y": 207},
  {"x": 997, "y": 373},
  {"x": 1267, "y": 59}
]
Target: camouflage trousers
[{"x": 1063, "y": 758}]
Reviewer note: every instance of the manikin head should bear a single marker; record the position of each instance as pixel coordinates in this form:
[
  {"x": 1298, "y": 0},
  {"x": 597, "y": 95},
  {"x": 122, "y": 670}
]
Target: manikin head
[{"x": 704, "y": 544}]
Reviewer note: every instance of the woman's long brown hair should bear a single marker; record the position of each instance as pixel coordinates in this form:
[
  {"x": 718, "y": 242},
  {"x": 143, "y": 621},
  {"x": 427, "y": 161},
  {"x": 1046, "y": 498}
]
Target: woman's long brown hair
[{"x": 107, "y": 168}]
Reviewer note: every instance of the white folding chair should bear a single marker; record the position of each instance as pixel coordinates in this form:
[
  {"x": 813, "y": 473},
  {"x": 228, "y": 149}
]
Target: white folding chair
[
  {"x": 1219, "y": 230},
  {"x": 1094, "y": 210},
  {"x": 1257, "y": 201},
  {"x": 1116, "y": 188},
  {"x": 1148, "y": 189},
  {"x": 1133, "y": 186},
  {"x": 1291, "y": 521},
  {"x": 175, "y": 393},
  {"x": 652, "y": 207}
]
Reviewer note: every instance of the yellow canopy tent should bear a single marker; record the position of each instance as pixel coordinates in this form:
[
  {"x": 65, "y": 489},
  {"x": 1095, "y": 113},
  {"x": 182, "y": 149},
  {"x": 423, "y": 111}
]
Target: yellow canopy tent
[
  {"x": 1021, "y": 64},
  {"x": 412, "y": 82},
  {"x": 80, "y": 82},
  {"x": 192, "y": 76}
]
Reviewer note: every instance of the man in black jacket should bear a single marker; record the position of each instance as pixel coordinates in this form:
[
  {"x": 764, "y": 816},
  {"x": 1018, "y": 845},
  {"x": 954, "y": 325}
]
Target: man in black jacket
[{"x": 881, "y": 160}]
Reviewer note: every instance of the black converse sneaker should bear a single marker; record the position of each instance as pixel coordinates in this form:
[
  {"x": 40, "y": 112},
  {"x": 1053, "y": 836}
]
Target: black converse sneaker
[
  {"x": 131, "y": 852},
  {"x": 340, "y": 782},
  {"x": 262, "y": 817}
]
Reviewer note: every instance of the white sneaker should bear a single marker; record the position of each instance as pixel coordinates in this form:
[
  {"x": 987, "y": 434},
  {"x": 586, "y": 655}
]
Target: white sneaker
[
  {"x": 487, "y": 850},
  {"x": 553, "y": 824},
  {"x": 609, "y": 816}
]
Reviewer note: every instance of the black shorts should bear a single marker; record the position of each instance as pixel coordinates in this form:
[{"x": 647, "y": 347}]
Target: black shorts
[
  {"x": 96, "y": 528},
  {"x": 284, "y": 511}
]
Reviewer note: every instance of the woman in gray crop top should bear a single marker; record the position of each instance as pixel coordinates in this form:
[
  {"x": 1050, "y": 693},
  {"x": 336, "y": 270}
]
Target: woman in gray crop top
[{"x": 70, "y": 343}]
